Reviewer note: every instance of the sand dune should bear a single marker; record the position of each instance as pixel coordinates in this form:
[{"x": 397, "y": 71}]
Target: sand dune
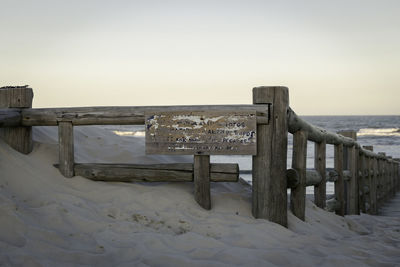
[{"x": 49, "y": 220}]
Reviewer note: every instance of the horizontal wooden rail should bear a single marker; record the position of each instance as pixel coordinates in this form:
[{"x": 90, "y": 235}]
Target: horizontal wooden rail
[
  {"x": 313, "y": 177},
  {"x": 10, "y": 117},
  {"x": 319, "y": 135},
  {"x": 114, "y": 115},
  {"x": 173, "y": 172}
]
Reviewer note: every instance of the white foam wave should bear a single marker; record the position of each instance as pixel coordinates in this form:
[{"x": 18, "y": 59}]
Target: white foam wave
[
  {"x": 130, "y": 133},
  {"x": 379, "y": 132}
]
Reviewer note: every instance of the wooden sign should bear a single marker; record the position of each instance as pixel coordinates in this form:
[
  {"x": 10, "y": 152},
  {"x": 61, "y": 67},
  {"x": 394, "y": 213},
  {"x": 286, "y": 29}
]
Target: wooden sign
[{"x": 201, "y": 132}]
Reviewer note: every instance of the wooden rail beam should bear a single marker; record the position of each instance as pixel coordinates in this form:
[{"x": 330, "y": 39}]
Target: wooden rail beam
[
  {"x": 121, "y": 115},
  {"x": 170, "y": 172},
  {"x": 10, "y": 117}
]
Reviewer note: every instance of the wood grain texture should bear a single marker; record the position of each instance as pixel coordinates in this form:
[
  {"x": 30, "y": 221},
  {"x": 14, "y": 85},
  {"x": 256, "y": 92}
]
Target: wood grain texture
[
  {"x": 339, "y": 184},
  {"x": 313, "y": 177},
  {"x": 350, "y": 163},
  {"x": 299, "y": 163},
  {"x": 362, "y": 168},
  {"x": 319, "y": 135},
  {"x": 201, "y": 175},
  {"x": 191, "y": 132},
  {"x": 10, "y": 117},
  {"x": 19, "y": 138},
  {"x": 292, "y": 178},
  {"x": 373, "y": 189},
  {"x": 66, "y": 148},
  {"x": 320, "y": 166},
  {"x": 172, "y": 172},
  {"x": 121, "y": 115},
  {"x": 269, "y": 165}
]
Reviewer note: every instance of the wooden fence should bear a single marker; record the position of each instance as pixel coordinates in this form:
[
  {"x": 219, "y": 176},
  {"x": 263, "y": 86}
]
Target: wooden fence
[{"x": 363, "y": 179}]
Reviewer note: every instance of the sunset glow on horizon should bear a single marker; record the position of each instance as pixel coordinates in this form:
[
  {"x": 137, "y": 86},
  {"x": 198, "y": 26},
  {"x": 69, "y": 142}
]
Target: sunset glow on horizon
[{"x": 336, "y": 57}]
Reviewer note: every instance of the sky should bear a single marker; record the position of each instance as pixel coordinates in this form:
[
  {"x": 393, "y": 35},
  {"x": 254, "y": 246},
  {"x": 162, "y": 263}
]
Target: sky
[{"x": 337, "y": 57}]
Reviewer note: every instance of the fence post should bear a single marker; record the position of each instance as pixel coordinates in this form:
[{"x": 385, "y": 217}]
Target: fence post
[
  {"x": 397, "y": 174},
  {"x": 394, "y": 178},
  {"x": 201, "y": 176},
  {"x": 66, "y": 148},
  {"x": 352, "y": 185},
  {"x": 269, "y": 165},
  {"x": 381, "y": 181},
  {"x": 298, "y": 194},
  {"x": 339, "y": 183},
  {"x": 320, "y": 166},
  {"x": 377, "y": 173},
  {"x": 362, "y": 178},
  {"x": 19, "y": 138},
  {"x": 391, "y": 165}
]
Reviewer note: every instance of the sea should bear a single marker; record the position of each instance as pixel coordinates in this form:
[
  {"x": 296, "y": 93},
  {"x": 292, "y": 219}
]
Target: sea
[{"x": 381, "y": 132}]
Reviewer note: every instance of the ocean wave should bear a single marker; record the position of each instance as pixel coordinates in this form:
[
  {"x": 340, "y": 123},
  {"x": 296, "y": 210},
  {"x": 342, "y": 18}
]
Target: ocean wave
[
  {"x": 130, "y": 133},
  {"x": 379, "y": 132}
]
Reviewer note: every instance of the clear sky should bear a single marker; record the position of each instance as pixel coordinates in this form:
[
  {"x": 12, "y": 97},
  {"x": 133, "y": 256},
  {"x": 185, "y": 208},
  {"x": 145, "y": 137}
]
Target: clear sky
[{"x": 337, "y": 57}]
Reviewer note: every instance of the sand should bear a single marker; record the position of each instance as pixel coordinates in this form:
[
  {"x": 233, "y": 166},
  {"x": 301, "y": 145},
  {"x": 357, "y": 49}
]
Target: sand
[{"x": 49, "y": 220}]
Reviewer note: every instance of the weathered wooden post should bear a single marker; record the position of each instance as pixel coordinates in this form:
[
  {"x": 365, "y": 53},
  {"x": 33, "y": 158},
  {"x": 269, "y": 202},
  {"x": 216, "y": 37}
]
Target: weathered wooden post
[
  {"x": 320, "y": 166},
  {"x": 339, "y": 183},
  {"x": 368, "y": 165},
  {"x": 377, "y": 173},
  {"x": 397, "y": 174},
  {"x": 298, "y": 194},
  {"x": 362, "y": 181},
  {"x": 269, "y": 165},
  {"x": 394, "y": 178},
  {"x": 351, "y": 158},
  {"x": 201, "y": 180},
  {"x": 66, "y": 148},
  {"x": 380, "y": 180},
  {"x": 19, "y": 138},
  {"x": 392, "y": 192}
]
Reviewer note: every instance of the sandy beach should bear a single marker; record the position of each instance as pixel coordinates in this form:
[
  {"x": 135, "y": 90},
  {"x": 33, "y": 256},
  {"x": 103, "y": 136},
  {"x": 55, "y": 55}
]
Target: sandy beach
[{"x": 49, "y": 220}]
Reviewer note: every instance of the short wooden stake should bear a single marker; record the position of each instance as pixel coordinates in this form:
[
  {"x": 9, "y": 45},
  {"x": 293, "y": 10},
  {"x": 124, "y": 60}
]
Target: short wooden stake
[
  {"x": 299, "y": 163},
  {"x": 66, "y": 148},
  {"x": 339, "y": 184},
  {"x": 19, "y": 138},
  {"x": 320, "y": 166},
  {"x": 269, "y": 165},
  {"x": 201, "y": 177}
]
